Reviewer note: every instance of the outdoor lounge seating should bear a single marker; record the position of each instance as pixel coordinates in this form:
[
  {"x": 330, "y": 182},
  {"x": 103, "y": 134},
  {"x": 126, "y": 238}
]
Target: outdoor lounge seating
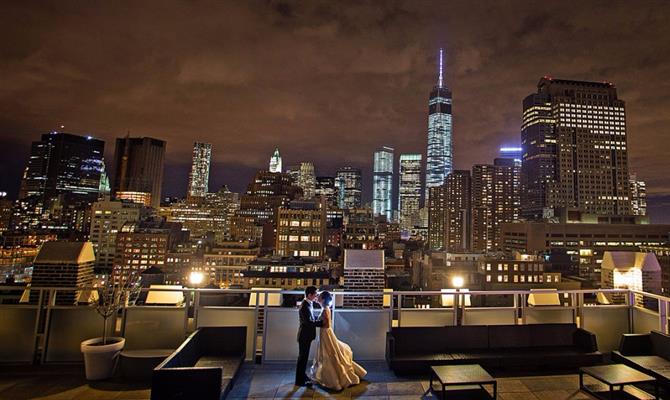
[
  {"x": 204, "y": 367},
  {"x": 413, "y": 350},
  {"x": 649, "y": 353}
]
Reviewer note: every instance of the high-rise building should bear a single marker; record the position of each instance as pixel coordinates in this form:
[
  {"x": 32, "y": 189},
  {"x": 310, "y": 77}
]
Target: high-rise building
[
  {"x": 275, "y": 161},
  {"x": 409, "y": 190},
  {"x": 349, "y": 185},
  {"x": 142, "y": 245},
  {"x": 495, "y": 200},
  {"x": 107, "y": 218},
  {"x": 436, "y": 217},
  {"x": 450, "y": 213},
  {"x": 307, "y": 180},
  {"x": 439, "y": 156},
  {"x": 325, "y": 187},
  {"x": 6, "y": 206},
  {"x": 301, "y": 229},
  {"x": 382, "y": 183},
  {"x": 139, "y": 166},
  {"x": 63, "y": 264},
  {"x": 255, "y": 220},
  {"x": 638, "y": 196},
  {"x": 575, "y": 157},
  {"x": 61, "y": 180},
  {"x": 198, "y": 180}
]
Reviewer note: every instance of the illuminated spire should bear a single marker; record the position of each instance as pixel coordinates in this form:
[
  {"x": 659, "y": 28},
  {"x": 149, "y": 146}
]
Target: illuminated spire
[{"x": 440, "y": 79}]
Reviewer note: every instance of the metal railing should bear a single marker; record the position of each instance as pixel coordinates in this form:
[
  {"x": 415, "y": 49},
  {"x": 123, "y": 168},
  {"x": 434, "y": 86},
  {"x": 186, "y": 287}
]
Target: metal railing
[{"x": 46, "y": 332}]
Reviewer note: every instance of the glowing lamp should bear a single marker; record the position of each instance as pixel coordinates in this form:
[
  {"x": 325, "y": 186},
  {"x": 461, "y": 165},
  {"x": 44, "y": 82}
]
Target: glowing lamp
[
  {"x": 196, "y": 278},
  {"x": 457, "y": 281}
]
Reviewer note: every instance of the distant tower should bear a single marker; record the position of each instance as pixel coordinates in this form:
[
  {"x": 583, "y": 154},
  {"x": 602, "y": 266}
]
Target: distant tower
[
  {"x": 275, "y": 161},
  {"x": 409, "y": 190},
  {"x": 349, "y": 185},
  {"x": 139, "y": 168},
  {"x": 638, "y": 196},
  {"x": 382, "y": 191},
  {"x": 198, "y": 181},
  {"x": 307, "y": 179},
  {"x": 439, "y": 156}
]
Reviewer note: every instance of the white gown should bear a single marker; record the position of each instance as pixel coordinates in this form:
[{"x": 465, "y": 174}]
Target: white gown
[{"x": 334, "y": 366}]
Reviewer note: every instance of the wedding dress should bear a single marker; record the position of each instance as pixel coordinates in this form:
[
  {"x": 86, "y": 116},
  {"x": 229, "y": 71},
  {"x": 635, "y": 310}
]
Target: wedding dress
[{"x": 334, "y": 366}]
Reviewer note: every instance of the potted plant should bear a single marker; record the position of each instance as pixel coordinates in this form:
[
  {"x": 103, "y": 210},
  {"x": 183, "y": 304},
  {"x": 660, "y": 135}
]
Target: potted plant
[{"x": 102, "y": 353}]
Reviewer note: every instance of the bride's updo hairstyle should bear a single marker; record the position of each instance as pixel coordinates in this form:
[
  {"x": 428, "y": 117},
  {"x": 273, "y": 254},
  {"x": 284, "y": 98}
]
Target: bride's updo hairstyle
[{"x": 327, "y": 298}]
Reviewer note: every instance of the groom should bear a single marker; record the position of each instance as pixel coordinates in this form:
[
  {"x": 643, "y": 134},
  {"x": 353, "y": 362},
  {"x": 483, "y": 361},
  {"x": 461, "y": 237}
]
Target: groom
[{"x": 306, "y": 334}]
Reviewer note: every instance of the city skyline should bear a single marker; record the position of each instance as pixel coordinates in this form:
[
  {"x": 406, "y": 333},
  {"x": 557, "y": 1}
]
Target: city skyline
[{"x": 406, "y": 69}]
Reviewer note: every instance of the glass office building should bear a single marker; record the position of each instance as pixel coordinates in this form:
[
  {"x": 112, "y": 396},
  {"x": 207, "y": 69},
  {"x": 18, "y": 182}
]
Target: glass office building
[
  {"x": 382, "y": 184},
  {"x": 439, "y": 154}
]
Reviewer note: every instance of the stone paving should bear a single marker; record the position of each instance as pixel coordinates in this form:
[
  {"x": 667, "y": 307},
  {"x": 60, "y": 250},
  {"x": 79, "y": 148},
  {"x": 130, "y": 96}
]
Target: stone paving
[{"x": 274, "y": 381}]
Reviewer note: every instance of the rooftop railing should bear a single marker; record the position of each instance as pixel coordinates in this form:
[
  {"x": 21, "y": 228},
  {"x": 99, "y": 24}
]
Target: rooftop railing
[{"x": 46, "y": 332}]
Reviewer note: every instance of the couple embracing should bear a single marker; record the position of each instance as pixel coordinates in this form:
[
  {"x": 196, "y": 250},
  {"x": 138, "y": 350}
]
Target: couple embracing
[{"x": 334, "y": 366}]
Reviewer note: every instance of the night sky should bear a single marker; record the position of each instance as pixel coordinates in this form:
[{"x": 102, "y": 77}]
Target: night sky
[{"x": 326, "y": 81}]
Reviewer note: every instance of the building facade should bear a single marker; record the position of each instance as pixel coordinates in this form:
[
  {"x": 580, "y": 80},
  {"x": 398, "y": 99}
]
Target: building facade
[
  {"x": 325, "y": 187},
  {"x": 60, "y": 181},
  {"x": 577, "y": 248},
  {"x": 198, "y": 180},
  {"x": 301, "y": 230},
  {"x": 495, "y": 200},
  {"x": 575, "y": 153},
  {"x": 107, "y": 219},
  {"x": 348, "y": 181},
  {"x": 307, "y": 180},
  {"x": 409, "y": 191},
  {"x": 382, "y": 183},
  {"x": 139, "y": 166},
  {"x": 638, "y": 196}
]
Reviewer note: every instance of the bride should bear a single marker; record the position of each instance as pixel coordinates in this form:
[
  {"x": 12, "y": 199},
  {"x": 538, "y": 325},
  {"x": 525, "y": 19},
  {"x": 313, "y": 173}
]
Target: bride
[{"x": 334, "y": 366}]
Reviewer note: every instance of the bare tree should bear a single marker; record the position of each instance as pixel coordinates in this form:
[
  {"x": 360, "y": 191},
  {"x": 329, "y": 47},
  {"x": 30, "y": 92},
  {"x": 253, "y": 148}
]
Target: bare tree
[{"x": 114, "y": 295}]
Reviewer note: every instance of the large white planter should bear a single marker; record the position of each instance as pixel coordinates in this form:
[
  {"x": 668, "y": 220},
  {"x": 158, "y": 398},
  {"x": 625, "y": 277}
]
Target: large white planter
[{"x": 100, "y": 360}]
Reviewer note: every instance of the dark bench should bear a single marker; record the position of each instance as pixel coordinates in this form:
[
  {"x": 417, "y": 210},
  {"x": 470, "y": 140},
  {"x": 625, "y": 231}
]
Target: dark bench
[
  {"x": 649, "y": 353},
  {"x": 413, "y": 350},
  {"x": 204, "y": 367}
]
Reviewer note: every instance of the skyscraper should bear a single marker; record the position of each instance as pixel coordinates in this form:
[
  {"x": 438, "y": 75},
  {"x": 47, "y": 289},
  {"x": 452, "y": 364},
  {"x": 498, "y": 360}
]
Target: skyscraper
[
  {"x": 61, "y": 180},
  {"x": 439, "y": 157},
  {"x": 275, "y": 161},
  {"x": 409, "y": 190},
  {"x": 198, "y": 180},
  {"x": 307, "y": 179},
  {"x": 382, "y": 184},
  {"x": 495, "y": 200},
  {"x": 325, "y": 187},
  {"x": 575, "y": 156},
  {"x": 108, "y": 216},
  {"x": 638, "y": 196},
  {"x": 450, "y": 213},
  {"x": 349, "y": 184},
  {"x": 139, "y": 167}
]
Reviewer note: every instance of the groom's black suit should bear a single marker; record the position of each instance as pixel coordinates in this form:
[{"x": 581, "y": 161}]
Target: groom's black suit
[{"x": 306, "y": 333}]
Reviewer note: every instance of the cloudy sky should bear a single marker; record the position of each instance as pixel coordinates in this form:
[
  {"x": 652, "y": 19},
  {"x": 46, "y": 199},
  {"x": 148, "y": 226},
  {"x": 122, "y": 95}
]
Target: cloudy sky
[{"x": 326, "y": 81}]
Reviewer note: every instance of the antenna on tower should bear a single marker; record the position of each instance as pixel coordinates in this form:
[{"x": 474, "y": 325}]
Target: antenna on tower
[{"x": 440, "y": 79}]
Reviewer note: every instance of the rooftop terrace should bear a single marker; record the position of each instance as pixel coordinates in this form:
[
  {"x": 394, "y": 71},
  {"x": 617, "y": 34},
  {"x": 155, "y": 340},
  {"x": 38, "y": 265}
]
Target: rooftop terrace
[
  {"x": 40, "y": 356},
  {"x": 275, "y": 381}
]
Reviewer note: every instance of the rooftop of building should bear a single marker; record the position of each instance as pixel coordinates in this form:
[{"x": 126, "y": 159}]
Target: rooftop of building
[
  {"x": 62, "y": 252},
  {"x": 57, "y": 341},
  {"x": 274, "y": 381}
]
